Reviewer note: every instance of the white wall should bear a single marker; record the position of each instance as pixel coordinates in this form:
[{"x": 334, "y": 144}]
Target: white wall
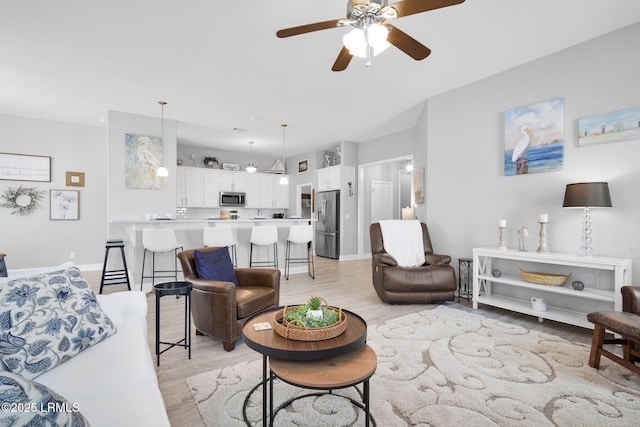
[
  {"x": 34, "y": 240},
  {"x": 467, "y": 191}
]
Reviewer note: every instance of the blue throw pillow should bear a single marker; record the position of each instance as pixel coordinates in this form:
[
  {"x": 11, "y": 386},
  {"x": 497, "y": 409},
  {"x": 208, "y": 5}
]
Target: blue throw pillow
[{"x": 215, "y": 265}]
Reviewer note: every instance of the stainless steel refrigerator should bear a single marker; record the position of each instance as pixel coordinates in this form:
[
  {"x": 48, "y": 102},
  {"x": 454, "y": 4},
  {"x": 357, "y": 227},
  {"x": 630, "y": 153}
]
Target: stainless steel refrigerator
[{"x": 328, "y": 224}]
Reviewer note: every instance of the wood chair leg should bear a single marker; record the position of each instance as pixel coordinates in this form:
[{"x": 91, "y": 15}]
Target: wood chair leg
[{"x": 596, "y": 346}]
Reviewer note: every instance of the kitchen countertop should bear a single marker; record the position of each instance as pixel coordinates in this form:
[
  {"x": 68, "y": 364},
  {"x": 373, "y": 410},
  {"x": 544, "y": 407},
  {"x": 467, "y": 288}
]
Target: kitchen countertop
[{"x": 188, "y": 221}]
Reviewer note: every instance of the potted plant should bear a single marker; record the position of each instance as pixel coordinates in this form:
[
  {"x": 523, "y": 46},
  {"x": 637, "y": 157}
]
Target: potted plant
[
  {"x": 210, "y": 161},
  {"x": 314, "y": 308}
]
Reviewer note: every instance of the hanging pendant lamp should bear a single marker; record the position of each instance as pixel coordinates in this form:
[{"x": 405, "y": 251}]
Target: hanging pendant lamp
[
  {"x": 162, "y": 171},
  {"x": 251, "y": 168},
  {"x": 284, "y": 180}
]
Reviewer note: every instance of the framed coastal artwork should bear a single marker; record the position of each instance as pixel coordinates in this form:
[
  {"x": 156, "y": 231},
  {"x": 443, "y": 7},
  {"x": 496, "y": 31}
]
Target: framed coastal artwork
[
  {"x": 64, "y": 205},
  {"x": 143, "y": 155},
  {"x": 534, "y": 138},
  {"x": 623, "y": 125}
]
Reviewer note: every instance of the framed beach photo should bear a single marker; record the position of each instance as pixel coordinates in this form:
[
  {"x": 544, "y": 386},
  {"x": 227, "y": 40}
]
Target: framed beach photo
[{"x": 64, "y": 205}]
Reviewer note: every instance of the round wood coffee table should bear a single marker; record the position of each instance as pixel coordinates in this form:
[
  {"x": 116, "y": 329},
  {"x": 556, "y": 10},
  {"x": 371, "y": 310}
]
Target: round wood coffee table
[
  {"x": 270, "y": 344},
  {"x": 346, "y": 370}
]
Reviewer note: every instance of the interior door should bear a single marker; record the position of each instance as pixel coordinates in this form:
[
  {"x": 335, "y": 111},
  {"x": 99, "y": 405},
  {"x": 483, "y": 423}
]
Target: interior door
[{"x": 381, "y": 200}]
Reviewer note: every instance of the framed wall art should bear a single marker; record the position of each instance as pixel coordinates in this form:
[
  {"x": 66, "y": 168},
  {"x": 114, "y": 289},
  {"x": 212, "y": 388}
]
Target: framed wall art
[
  {"x": 418, "y": 185},
  {"x": 75, "y": 179},
  {"x": 303, "y": 166},
  {"x": 534, "y": 138},
  {"x": 143, "y": 155},
  {"x": 616, "y": 126},
  {"x": 64, "y": 205},
  {"x": 25, "y": 167}
]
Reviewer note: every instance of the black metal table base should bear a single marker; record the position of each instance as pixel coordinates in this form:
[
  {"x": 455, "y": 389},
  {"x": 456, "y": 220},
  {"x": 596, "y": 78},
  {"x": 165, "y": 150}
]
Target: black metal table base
[{"x": 178, "y": 289}]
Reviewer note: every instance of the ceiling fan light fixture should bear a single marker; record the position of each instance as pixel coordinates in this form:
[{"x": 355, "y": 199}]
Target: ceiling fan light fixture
[
  {"x": 356, "y": 43},
  {"x": 377, "y": 38}
]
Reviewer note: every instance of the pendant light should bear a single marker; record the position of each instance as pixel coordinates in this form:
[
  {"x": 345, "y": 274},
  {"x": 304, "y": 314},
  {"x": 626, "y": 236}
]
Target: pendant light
[
  {"x": 251, "y": 168},
  {"x": 284, "y": 180},
  {"x": 162, "y": 171}
]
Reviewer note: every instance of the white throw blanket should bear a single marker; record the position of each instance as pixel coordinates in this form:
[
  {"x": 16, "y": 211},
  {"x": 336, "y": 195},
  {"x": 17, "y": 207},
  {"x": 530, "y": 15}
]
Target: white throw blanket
[{"x": 403, "y": 241}]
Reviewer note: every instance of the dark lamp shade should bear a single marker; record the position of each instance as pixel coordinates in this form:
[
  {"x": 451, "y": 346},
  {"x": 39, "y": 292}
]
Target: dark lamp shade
[{"x": 587, "y": 195}]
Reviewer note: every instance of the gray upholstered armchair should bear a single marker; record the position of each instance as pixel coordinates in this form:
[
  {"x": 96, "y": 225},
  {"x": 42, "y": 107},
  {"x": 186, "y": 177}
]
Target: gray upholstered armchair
[{"x": 434, "y": 281}]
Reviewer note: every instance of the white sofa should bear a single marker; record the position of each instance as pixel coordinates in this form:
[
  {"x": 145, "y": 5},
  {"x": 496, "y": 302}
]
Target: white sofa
[{"x": 114, "y": 382}]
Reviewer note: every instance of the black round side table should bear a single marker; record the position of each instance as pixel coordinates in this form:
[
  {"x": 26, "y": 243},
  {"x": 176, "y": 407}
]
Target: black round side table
[
  {"x": 465, "y": 278},
  {"x": 174, "y": 288}
]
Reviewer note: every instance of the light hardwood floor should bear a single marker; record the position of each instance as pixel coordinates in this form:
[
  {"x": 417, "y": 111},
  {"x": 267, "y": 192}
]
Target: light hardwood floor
[{"x": 346, "y": 284}]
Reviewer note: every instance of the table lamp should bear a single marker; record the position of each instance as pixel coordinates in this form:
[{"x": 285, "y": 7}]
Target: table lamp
[
  {"x": 587, "y": 195},
  {"x": 407, "y": 213}
]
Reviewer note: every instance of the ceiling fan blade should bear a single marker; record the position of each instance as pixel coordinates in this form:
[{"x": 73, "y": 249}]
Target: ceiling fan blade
[
  {"x": 407, "y": 44},
  {"x": 302, "y": 29},
  {"x": 342, "y": 61},
  {"x": 411, "y": 7}
]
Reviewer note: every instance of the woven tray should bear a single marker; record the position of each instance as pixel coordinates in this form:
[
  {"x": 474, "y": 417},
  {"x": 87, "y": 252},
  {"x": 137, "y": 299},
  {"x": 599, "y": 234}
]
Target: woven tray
[
  {"x": 298, "y": 333},
  {"x": 549, "y": 279}
]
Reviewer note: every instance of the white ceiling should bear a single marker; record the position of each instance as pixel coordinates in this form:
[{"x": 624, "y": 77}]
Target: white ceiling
[{"x": 220, "y": 66}]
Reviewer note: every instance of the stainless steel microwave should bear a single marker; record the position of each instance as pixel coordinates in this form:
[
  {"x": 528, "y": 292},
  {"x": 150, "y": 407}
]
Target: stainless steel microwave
[{"x": 228, "y": 198}]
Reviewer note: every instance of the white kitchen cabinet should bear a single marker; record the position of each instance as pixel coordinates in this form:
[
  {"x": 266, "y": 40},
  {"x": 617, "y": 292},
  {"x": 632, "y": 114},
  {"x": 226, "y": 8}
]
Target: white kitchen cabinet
[
  {"x": 602, "y": 276},
  {"x": 329, "y": 178},
  {"x": 265, "y": 192},
  {"x": 189, "y": 187},
  {"x": 280, "y": 193},
  {"x": 234, "y": 181},
  {"x": 211, "y": 188}
]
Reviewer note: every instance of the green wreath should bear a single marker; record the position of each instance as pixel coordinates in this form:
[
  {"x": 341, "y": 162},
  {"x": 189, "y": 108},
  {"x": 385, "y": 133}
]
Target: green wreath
[{"x": 23, "y": 200}]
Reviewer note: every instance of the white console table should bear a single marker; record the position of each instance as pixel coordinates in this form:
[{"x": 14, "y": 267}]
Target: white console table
[{"x": 602, "y": 276}]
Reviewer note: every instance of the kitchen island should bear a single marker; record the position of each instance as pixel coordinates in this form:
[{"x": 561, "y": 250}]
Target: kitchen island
[{"x": 189, "y": 234}]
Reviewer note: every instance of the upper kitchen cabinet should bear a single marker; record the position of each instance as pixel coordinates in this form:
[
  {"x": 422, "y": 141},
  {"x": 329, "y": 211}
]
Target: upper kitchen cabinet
[
  {"x": 329, "y": 178},
  {"x": 211, "y": 188},
  {"x": 233, "y": 181},
  {"x": 189, "y": 187}
]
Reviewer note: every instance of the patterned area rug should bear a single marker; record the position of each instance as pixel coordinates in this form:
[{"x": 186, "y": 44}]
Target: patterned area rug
[{"x": 446, "y": 367}]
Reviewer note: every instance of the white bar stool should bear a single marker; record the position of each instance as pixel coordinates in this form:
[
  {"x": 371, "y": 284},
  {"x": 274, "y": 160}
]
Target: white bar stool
[
  {"x": 264, "y": 236},
  {"x": 300, "y": 235},
  {"x": 159, "y": 240},
  {"x": 215, "y": 236}
]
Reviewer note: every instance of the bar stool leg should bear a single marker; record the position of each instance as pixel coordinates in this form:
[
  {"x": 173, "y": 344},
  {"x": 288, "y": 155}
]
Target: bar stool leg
[{"x": 126, "y": 269}]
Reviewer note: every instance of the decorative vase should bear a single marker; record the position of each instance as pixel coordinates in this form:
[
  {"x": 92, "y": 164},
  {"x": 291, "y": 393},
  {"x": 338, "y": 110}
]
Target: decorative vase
[
  {"x": 496, "y": 273},
  {"x": 315, "y": 314}
]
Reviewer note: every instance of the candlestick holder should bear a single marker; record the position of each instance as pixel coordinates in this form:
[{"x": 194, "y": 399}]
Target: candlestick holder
[
  {"x": 542, "y": 246},
  {"x": 522, "y": 233},
  {"x": 501, "y": 238}
]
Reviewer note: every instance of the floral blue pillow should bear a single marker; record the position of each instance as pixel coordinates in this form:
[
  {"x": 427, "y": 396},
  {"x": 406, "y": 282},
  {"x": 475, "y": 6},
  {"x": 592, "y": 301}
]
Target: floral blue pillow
[
  {"x": 215, "y": 265},
  {"x": 25, "y": 402},
  {"x": 47, "y": 319}
]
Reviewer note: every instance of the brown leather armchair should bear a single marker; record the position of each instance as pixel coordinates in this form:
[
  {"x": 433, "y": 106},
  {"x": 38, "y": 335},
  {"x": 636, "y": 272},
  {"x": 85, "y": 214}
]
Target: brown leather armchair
[
  {"x": 434, "y": 281},
  {"x": 220, "y": 309}
]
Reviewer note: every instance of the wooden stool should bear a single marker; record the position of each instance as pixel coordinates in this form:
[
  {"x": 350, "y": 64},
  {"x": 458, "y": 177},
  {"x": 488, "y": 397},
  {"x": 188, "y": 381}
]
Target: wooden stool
[
  {"x": 114, "y": 277},
  {"x": 345, "y": 370},
  {"x": 627, "y": 325}
]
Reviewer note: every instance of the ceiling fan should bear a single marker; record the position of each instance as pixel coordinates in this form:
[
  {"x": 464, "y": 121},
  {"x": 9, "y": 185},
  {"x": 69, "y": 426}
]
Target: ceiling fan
[{"x": 371, "y": 33}]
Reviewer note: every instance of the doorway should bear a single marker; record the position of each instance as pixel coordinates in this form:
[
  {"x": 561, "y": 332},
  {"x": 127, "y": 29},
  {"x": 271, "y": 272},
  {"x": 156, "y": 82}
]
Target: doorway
[
  {"x": 385, "y": 170},
  {"x": 303, "y": 200}
]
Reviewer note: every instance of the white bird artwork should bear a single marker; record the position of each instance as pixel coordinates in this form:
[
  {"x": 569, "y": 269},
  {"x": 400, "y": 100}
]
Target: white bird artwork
[
  {"x": 523, "y": 145},
  {"x": 147, "y": 158}
]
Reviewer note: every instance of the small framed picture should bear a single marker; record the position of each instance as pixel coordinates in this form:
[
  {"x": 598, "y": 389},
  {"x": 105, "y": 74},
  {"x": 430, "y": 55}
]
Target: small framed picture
[
  {"x": 75, "y": 179},
  {"x": 303, "y": 166},
  {"x": 64, "y": 205}
]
